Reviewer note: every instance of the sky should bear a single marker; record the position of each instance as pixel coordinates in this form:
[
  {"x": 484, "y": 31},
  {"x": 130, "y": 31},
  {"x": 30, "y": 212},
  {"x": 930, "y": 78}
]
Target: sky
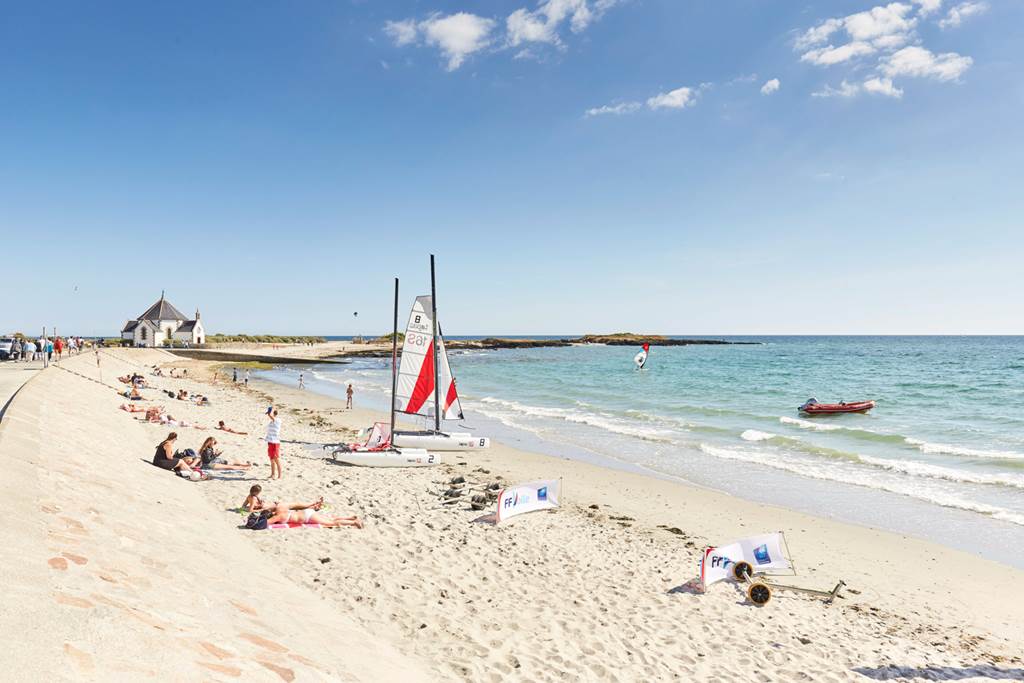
[{"x": 656, "y": 166}]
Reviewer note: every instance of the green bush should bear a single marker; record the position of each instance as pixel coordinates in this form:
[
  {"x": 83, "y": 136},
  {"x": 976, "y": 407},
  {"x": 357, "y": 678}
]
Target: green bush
[{"x": 261, "y": 339}]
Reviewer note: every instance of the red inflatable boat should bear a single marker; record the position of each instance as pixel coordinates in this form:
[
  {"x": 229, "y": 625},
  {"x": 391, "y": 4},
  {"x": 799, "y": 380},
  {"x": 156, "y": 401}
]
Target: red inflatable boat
[{"x": 812, "y": 407}]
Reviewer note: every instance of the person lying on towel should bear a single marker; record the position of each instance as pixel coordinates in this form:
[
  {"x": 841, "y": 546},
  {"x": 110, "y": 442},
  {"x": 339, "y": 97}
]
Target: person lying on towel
[{"x": 308, "y": 514}]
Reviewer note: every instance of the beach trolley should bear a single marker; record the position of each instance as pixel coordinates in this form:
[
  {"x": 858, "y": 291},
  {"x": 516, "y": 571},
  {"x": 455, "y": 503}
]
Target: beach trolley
[{"x": 755, "y": 562}]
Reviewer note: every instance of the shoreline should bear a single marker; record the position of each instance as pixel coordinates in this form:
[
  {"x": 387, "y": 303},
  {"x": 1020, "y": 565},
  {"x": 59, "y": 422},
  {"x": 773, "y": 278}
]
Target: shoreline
[
  {"x": 840, "y": 545},
  {"x": 865, "y": 507},
  {"x": 596, "y": 590}
]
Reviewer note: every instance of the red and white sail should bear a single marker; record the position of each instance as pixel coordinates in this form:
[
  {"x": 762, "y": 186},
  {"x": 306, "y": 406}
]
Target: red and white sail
[{"x": 415, "y": 394}]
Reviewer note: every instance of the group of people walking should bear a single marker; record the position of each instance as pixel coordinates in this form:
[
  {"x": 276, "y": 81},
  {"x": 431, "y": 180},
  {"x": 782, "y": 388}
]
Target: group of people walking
[{"x": 45, "y": 348}]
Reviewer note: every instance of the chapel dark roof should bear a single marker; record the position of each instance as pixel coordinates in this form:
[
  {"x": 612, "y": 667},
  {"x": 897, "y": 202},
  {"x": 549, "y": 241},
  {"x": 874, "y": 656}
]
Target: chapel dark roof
[
  {"x": 130, "y": 326},
  {"x": 162, "y": 310},
  {"x": 187, "y": 326}
]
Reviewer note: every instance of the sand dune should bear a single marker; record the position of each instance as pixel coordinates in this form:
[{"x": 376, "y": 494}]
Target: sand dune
[{"x": 595, "y": 591}]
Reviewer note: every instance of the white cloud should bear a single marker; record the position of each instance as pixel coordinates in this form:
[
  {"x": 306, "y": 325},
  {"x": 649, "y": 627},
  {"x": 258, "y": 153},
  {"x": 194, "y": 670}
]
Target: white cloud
[
  {"x": 964, "y": 10},
  {"x": 680, "y": 98},
  {"x": 882, "y": 21},
  {"x": 616, "y": 109},
  {"x": 844, "y": 90},
  {"x": 888, "y": 34},
  {"x": 890, "y": 42},
  {"x": 922, "y": 63},
  {"x": 402, "y": 32},
  {"x": 770, "y": 86},
  {"x": 882, "y": 86},
  {"x": 542, "y": 24},
  {"x": 818, "y": 34},
  {"x": 829, "y": 55},
  {"x": 461, "y": 34},
  {"x": 874, "y": 86},
  {"x": 456, "y": 35}
]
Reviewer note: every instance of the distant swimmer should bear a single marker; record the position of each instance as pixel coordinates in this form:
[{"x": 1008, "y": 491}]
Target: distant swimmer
[{"x": 641, "y": 358}]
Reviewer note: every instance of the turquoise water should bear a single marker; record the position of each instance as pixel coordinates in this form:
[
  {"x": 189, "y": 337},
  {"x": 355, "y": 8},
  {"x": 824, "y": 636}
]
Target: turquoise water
[{"x": 941, "y": 456}]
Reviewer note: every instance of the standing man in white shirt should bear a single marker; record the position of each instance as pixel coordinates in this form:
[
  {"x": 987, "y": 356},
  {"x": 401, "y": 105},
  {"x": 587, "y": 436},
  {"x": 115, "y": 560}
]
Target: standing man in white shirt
[{"x": 274, "y": 442}]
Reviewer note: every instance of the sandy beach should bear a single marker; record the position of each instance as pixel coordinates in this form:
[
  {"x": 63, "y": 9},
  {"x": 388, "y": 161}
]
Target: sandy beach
[{"x": 120, "y": 570}]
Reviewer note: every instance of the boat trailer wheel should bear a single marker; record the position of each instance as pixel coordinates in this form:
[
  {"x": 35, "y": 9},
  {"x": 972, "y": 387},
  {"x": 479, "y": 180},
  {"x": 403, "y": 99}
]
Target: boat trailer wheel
[
  {"x": 741, "y": 570},
  {"x": 759, "y": 594}
]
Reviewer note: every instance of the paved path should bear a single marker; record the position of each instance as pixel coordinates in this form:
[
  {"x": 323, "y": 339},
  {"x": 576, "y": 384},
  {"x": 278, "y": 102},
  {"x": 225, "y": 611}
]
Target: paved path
[{"x": 12, "y": 376}]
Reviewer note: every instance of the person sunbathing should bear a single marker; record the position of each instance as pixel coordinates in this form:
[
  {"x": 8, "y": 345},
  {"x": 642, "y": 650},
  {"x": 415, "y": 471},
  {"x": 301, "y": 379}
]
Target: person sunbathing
[
  {"x": 134, "y": 409},
  {"x": 167, "y": 459},
  {"x": 212, "y": 460},
  {"x": 170, "y": 421},
  {"x": 200, "y": 400},
  {"x": 285, "y": 514},
  {"x": 182, "y": 395},
  {"x": 224, "y": 428}
]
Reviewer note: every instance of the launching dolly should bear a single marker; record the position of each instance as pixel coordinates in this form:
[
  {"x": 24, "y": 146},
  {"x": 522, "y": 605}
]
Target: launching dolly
[
  {"x": 759, "y": 589},
  {"x": 752, "y": 561}
]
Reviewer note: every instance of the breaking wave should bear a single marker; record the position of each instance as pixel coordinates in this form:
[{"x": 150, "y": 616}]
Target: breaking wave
[
  {"x": 947, "y": 449},
  {"x": 844, "y": 476}
]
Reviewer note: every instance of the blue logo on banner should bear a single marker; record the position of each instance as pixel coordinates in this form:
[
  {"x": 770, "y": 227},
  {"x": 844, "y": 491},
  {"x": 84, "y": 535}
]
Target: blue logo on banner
[
  {"x": 761, "y": 554},
  {"x": 542, "y": 493}
]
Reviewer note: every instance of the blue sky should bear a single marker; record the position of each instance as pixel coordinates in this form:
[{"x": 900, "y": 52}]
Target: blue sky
[{"x": 576, "y": 165}]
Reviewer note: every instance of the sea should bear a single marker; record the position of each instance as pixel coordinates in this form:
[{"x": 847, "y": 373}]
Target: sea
[{"x": 941, "y": 457}]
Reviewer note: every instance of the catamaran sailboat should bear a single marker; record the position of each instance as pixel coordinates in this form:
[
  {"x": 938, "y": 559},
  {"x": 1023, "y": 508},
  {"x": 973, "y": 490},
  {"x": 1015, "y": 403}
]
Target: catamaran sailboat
[
  {"x": 379, "y": 450},
  {"x": 426, "y": 386}
]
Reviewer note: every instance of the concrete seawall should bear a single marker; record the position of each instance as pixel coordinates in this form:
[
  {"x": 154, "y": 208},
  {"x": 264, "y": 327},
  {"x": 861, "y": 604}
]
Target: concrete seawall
[{"x": 116, "y": 570}]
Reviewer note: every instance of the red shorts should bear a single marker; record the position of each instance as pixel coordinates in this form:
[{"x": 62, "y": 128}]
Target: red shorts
[{"x": 273, "y": 451}]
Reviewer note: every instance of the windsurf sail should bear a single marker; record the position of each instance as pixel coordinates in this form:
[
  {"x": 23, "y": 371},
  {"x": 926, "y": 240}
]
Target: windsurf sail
[
  {"x": 641, "y": 358},
  {"x": 415, "y": 394}
]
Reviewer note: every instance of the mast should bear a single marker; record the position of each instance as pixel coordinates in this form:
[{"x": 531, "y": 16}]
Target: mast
[
  {"x": 394, "y": 366},
  {"x": 437, "y": 389}
]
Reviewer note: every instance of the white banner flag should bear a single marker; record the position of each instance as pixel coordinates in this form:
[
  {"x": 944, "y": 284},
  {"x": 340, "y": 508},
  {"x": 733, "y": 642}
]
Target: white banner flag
[
  {"x": 762, "y": 552},
  {"x": 529, "y": 497}
]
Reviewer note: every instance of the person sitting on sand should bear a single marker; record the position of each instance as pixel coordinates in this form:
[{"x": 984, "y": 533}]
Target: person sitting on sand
[
  {"x": 308, "y": 514},
  {"x": 253, "y": 502},
  {"x": 182, "y": 395},
  {"x": 166, "y": 458},
  {"x": 133, "y": 395},
  {"x": 210, "y": 456},
  {"x": 224, "y": 428}
]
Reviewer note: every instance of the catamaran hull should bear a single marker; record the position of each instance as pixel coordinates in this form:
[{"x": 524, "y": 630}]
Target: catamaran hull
[
  {"x": 444, "y": 441},
  {"x": 410, "y": 457}
]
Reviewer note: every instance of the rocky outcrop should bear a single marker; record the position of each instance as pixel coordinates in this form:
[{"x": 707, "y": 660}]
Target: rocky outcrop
[
  {"x": 619, "y": 339},
  {"x": 630, "y": 339}
]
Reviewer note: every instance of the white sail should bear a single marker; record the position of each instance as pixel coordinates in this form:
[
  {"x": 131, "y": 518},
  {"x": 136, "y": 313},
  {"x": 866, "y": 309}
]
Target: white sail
[{"x": 415, "y": 394}]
